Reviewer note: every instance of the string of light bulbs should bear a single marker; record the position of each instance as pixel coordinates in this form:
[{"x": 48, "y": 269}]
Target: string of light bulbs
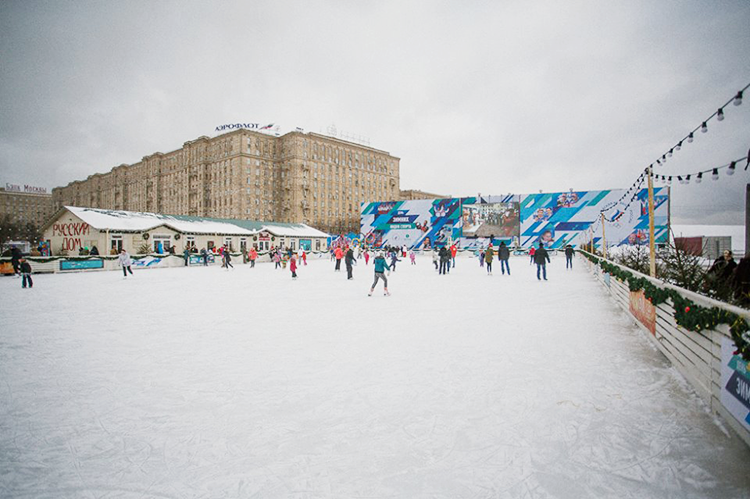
[
  {"x": 703, "y": 127},
  {"x": 698, "y": 176}
]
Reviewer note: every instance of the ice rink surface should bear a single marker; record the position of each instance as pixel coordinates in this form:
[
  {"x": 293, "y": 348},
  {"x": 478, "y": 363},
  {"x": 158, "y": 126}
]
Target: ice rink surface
[{"x": 206, "y": 383}]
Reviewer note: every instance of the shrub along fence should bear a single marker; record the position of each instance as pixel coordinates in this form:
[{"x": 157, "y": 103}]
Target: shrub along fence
[{"x": 706, "y": 340}]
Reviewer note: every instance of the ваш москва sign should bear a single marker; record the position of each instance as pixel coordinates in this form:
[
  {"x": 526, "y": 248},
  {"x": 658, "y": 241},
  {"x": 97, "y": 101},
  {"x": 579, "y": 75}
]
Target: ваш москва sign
[{"x": 28, "y": 189}]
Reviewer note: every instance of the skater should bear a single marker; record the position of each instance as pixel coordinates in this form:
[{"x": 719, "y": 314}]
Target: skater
[
  {"x": 569, "y": 251},
  {"x": 480, "y": 253},
  {"x": 304, "y": 256},
  {"x": 124, "y": 260},
  {"x": 445, "y": 261},
  {"x": 413, "y": 257},
  {"x": 293, "y": 266},
  {"x": 488, "y": 255},
  {"x": 276, "y": 257},
  {"x": 394, "y": 259},
  {"x": 380, "y": 268},
  {"x": 227, "y": 259},
  {"x": 186, "y": 255},
  {"x": 253, "y": 255},
  {"x": 503, "y": 254},
  {"x": 454, "y": 250},
  {"x": 15, "y": 259},
  {"x": 367, "y": 256},
  {"x": 349, "y": 260},
  {"x": 338, "y": 253},
  {"x": 435, "y": 258},
  {"x": 204, "y": 256},
  {"x": 531, "y": 254},
  {"x": 25, "y": 267},
  {"x": 541, "y": 257}
]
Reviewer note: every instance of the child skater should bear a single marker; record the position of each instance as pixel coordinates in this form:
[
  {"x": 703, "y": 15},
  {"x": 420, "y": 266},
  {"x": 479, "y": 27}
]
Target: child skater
[
  {"x": 293, "y": 266},
  {"x": 413, "y": 257},
  {"x": 380, "y": 267}
]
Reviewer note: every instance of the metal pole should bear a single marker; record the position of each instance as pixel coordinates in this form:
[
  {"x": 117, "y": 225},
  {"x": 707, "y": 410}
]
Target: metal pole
[
  {"x": 604, "y": 240},
  {"x": 651, "y": 231},
  {"x": 747, "y": 219}
]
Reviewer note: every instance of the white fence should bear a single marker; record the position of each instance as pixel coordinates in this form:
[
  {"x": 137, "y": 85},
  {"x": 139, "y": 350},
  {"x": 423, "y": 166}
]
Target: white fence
[{"x": 697, "y": 355}]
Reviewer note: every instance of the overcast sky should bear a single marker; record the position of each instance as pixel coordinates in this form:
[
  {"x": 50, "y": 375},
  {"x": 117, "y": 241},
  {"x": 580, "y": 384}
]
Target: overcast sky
[{"x": 474, "y": 96}]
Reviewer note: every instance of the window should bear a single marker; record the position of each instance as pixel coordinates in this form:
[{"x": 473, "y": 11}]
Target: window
[
  {"x": 115, "y": 242},
  {"x": 162, "y": 243}
]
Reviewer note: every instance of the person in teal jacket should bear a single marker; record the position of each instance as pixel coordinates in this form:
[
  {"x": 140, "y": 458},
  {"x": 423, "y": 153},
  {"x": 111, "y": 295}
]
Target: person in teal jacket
[{"x": 380, "y": 268}]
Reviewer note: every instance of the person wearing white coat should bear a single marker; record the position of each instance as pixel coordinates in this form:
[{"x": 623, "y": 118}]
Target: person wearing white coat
[{"x": 124, "y": 259}]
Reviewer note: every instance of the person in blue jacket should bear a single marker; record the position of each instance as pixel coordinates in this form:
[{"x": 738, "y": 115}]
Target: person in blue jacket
[{"x": 380, "y": 268}]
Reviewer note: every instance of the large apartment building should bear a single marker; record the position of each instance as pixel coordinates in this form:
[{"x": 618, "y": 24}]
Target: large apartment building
[
  {"x": 26, "y": 205},
  {"x": 295, "y": 178}
]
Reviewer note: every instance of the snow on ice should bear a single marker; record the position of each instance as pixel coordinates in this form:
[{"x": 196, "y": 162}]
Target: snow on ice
[{"x": 205, "y": 383}]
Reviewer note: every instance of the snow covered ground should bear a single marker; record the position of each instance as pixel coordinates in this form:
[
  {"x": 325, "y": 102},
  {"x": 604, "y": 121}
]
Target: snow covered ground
[{"x": 205, "y": 383}]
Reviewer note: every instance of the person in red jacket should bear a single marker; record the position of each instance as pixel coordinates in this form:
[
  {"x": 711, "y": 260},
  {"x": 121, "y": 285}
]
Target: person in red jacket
[
  {"x": 293, "y": 265},
  {"x": 454, "y": 250},
  {"x": 339, "y": 253},
  {"x": 253, "y": 256}
]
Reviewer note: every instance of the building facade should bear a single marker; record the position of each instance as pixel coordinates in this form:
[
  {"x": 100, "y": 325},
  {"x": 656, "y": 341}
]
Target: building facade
[
  {"x": 412, "y": 194},
  {"x": 72, "y": 228},
  {"x": 295, "y": 178},
  {"x": 26, "y": 205}
]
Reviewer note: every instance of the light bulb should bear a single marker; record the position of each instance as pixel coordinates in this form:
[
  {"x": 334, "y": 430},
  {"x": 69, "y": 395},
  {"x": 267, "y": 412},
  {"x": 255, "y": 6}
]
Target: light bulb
[
  {"x": 699, "y": 178},
  {"x": 687, "y": 179},
  {"x": 690, "y": 137},
  {"x": 669, "y": 153},
  {"x": 678, "y": 146},
  {"x": 720, "y": 115},
  {"x": 704, "y": 127},
  {"x": 730, "y": 170},
  {"x": 715, "y": 174},
  {"x": 738, "y": 98},
  {"x": 669, "y": 181},
  {"x": 679, "y": 179}
]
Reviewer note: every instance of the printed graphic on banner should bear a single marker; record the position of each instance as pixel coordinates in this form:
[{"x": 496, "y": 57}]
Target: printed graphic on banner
[
  {"x": 81, "y": 264},
  {"x": 198, "y": 259},
  {"x": 562, "y": 218},
  {"x": 492, "y": 219},
  {"x": 420, "y": 223},
  {"x": 735, "y": 383},
  {"x": 555, "y": 219},
  {"x": 643, "y": 310},
  {"x": 148, "y": 261}
]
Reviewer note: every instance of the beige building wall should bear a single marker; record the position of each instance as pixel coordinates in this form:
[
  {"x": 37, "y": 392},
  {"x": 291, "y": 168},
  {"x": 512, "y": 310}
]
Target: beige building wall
[
  {"x": 412, "y": 194},
  {"x": 26, "y": 208},
  {"x": 68, "y": 233},
  {"x": 296, "y": 178}
]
